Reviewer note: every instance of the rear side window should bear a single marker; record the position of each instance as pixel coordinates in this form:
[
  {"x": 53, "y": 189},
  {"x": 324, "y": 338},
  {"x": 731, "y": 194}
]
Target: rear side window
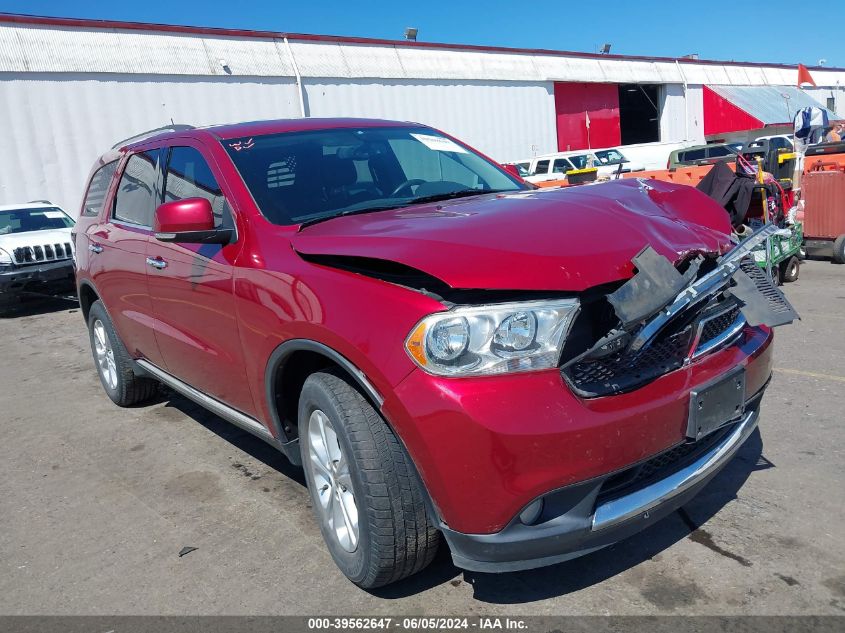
[
  {"x": 561, "y": 166},
  {"x": 137, "y": 193},
  {"x": 696, "y": 154},
  {"x": 542, "y": 167},
  {"x": 716, "y": 152},
  {"x": 97, "y": 189},
  {"x": 189, "y": 176}
]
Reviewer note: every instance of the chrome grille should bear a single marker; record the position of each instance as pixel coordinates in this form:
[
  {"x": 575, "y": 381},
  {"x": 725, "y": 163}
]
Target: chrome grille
[{"x": 40, "y": 253}]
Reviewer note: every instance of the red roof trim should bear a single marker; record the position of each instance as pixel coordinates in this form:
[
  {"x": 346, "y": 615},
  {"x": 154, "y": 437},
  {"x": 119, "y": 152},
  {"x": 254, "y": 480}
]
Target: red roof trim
[{"x": 14, "y": 18}]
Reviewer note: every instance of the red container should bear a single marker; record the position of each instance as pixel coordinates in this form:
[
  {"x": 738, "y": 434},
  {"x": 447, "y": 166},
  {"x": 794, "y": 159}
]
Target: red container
[{"x": 824, "y": 204}]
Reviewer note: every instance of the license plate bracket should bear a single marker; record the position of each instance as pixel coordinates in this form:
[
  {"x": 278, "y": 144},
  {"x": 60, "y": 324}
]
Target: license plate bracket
[{"x": 716, "y": 404}]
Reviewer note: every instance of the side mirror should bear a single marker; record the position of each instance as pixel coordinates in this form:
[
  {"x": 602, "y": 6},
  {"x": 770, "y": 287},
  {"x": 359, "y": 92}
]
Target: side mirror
[{"x": 189, "y": 220}]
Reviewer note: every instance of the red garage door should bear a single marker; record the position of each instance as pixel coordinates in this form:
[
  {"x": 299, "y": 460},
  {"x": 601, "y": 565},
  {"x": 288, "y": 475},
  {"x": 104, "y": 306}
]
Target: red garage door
[{"x": 574, "y": 102}]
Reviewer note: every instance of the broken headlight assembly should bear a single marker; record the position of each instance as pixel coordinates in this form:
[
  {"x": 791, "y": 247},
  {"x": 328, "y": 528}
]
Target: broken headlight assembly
[{"x": 492, "y": 339}]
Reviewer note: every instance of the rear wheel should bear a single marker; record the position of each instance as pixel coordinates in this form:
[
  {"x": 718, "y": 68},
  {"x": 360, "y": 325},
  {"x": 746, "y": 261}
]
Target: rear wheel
[
  {"x": 775, "y": 273},
  {"x": 365, "y": 492},
  {"x": 790, "y": 270},
  {"x": 113, "y": 363},
  {"x": 839, "y": 250}
]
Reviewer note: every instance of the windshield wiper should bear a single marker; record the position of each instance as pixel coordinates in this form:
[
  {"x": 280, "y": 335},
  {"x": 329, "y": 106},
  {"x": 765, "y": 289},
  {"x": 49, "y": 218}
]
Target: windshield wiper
[
  {"x": 323, "y": 218},
  {"x": 460, "y": 193}
]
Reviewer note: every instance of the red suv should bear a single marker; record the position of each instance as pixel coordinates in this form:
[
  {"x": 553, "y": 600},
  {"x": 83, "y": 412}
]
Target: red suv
[{"x": 447, "y": 351}]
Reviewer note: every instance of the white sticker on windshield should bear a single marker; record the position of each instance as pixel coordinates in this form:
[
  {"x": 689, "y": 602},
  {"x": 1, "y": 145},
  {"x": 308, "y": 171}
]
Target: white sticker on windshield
[
  {"x": 54, "y": 215},
  {"x": 439, "y": 143}
]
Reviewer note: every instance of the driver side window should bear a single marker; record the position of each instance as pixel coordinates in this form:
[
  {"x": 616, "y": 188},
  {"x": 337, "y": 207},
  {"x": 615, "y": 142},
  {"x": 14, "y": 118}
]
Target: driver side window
[{"x": 189, "y": 176}]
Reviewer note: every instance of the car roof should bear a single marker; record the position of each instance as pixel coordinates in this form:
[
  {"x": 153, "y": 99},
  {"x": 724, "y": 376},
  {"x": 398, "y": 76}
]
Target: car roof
[
  {"x": 575, "y": 152},
  {"x": 29, "y": 205},
  {"x": 686, "y": 149},
  {"x": 275, "y": 126}
]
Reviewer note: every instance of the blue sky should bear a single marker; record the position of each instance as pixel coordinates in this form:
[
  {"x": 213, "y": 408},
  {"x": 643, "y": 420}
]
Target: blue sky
[{"x": 717, "y": 29}]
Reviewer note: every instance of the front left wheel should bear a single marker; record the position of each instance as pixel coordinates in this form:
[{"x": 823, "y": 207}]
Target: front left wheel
[{"x": 366, "y": 494}]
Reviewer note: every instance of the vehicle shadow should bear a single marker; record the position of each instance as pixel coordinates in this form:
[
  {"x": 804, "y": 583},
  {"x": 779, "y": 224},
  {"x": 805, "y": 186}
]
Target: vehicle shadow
[
  {"x": 238, "y": 438},
  {"x": 39, "y": 305},
  {"x": 536, "y": 584},
  {"x": 583, "y": 572}
]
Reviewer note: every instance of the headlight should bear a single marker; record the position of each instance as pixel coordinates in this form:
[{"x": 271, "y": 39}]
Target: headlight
[
  {"x": 492, "y": 339},
  {"x": 5, "y": 259}
]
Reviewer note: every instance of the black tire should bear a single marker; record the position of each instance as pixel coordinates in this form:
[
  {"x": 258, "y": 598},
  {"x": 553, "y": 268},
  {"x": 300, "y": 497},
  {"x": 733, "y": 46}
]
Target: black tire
[
  {"x": 396, "y": 536},
  {"x": 839, "y": 250},
  {"x": 775, "y": 272},
  {"x": 790, "y": 269},
  {"x": 127, "y": 389}
]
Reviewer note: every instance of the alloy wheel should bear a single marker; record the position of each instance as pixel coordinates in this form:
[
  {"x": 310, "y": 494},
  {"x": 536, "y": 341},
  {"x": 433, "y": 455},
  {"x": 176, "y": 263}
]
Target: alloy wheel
[
  {"x": 332, "y": 481},
  {"x": 105, "y": 355}
]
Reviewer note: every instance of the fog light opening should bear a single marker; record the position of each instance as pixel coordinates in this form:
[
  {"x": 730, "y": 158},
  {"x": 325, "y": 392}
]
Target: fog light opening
[{"x": 531, "y": 512}]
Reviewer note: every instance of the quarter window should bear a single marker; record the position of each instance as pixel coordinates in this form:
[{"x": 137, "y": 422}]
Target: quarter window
[
  {"x": 136, "y": 195},
  {"x": 97, "y": 189}
]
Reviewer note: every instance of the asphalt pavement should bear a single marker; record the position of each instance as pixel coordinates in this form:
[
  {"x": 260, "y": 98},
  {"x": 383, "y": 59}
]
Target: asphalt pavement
[{"x": 97, "y": 502}]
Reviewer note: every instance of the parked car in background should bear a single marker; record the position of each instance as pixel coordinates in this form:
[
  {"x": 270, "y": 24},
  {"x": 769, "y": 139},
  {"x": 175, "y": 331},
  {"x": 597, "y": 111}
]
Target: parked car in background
[
  {"x": 447, "y": 351},
  {"x": 555, "y": 166},
  {"x": 523, "y": 167},
  {"x": 609, "y": 161},
  {"x": 702, "y": 155},
  {"x": 36, "y": 252},
  {"x": 776, "y": 141},
  {"x": 548, "y": 167}
]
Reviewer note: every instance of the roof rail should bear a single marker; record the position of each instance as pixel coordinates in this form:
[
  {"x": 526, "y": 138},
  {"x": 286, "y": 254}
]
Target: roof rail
[
  {"x": 39, "y": 202},
  {"x": 176, "y": 127}
]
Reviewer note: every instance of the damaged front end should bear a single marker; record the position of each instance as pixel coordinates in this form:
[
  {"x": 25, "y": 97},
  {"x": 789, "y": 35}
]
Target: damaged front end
[{"x": 662, "y": 319}]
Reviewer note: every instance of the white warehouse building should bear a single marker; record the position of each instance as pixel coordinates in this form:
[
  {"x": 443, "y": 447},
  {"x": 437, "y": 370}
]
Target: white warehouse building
[{"x": 70, "y": 89}]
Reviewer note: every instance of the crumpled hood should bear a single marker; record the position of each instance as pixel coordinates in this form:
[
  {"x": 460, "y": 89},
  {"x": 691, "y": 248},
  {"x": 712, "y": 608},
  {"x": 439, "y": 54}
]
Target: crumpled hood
[{"x": 562, "y": 239}]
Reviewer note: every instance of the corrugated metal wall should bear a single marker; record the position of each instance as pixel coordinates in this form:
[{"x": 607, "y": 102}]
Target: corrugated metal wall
[
  {"x": 55, "y": 125},
  {"x": 506, "y": 120},
  {"x": 67, "y": 94}
]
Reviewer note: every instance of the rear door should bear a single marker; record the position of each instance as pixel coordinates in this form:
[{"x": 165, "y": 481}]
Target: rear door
[
  {"x": 117, "y": 249},
  {"x": 192, "y": 289}
]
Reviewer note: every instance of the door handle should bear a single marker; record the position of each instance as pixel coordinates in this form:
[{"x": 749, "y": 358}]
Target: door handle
[
  {"x": 95, "y": 248},
  {"x": 156, "y": 262}
]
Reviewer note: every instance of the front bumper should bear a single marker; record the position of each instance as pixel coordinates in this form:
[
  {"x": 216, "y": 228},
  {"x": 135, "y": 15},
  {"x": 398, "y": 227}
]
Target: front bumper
[
  {"x": 584, "y": 522},
  {"x": 46, "y": 278},
  {"x": 486, "y": 448}
]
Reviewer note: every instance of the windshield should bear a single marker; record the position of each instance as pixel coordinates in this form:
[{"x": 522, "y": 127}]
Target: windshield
[
  {"x": 298, "y": 177},
  {"x": 610, "y": 156},
  {"x": 25, "y": 220}
]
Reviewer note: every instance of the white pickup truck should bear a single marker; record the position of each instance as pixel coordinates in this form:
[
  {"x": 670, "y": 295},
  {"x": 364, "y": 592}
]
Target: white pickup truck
[
  {"x": 36, "y": 251},
  {"x": 554, "y": 166}
]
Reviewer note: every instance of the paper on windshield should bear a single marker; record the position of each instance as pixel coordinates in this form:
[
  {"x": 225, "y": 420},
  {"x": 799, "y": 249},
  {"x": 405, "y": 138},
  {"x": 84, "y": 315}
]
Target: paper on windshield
[
  {"x": 54, "y": 215},
  {"x": 439, "y": 143}
]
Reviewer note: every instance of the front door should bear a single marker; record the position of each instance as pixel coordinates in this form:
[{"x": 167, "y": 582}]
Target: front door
[
  {"x": 191, "y": 286},
  {"x": 117, "y": 254}
]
